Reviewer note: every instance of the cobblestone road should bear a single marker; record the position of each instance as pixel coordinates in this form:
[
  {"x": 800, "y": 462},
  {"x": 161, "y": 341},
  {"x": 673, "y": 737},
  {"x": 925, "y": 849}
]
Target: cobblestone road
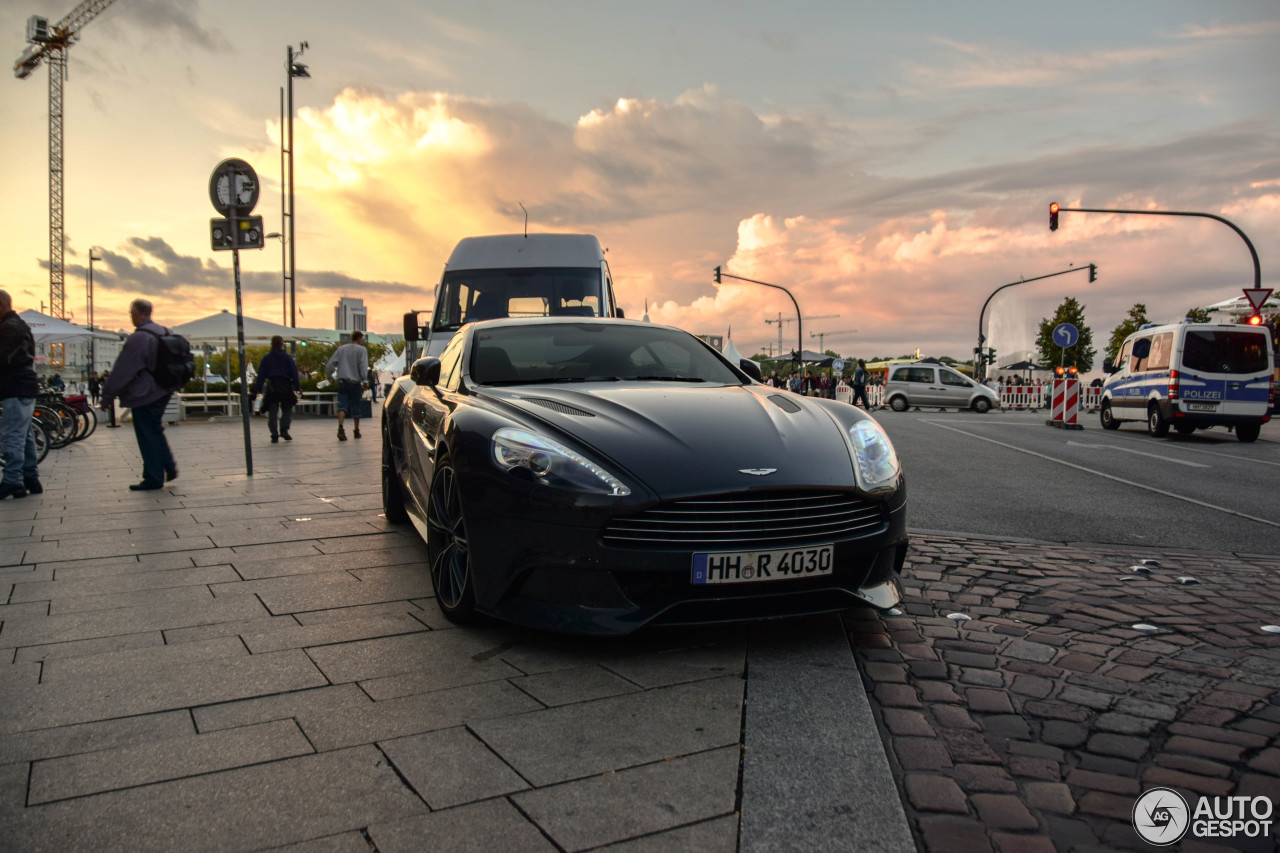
[{"x": 1034, "y": 724}]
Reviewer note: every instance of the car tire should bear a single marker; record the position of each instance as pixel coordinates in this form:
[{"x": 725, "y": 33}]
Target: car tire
[
  {"x": 448, "y": 551},
  {"x": 1248, "y": 432},
  {"x": 393, "y": 508},
  {"x": 982, "y": 405},
  {"x": 1156, "y": 424},
  {"x": 1184, "y": 429},
  {"x": 898, "y": 404},
  {"x": 1108, "y": 418}
]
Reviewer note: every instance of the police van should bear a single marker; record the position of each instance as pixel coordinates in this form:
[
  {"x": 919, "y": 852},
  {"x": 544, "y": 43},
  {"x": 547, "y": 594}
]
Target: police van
[
  {"x": 1190, "y": 376},
  {"x": 517, "y": 275}
]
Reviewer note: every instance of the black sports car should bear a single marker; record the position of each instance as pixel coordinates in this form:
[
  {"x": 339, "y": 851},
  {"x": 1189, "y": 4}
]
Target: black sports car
[{"x": 594, "y": 476}]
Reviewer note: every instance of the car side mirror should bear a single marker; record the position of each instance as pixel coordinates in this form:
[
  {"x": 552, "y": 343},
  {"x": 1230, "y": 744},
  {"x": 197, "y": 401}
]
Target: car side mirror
[
  {"x": 621, "y": 315},
  {"x": 752, "y": 369},
  {"x": 425, "y": 371},
  {"x": 1108, "y": 366}
]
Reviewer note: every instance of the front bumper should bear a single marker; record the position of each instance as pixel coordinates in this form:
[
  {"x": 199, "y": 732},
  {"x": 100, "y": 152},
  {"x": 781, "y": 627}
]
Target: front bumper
[{"x": 531, "y": 568}]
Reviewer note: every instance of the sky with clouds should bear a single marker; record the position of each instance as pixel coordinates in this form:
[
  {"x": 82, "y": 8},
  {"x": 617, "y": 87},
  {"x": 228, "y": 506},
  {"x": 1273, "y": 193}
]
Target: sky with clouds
[{"x": 889, "y": 163}]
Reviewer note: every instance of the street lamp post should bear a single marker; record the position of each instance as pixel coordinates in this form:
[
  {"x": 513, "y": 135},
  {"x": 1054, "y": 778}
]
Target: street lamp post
[
  {"x": 93, "y": 335},
  {"x": 293, "y": 68},
  {"x": 284, "y": 274}
]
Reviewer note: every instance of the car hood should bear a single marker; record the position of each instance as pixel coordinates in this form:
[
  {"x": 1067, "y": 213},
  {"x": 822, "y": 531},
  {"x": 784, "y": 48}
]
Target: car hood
[{"x": 688, "y": 440}]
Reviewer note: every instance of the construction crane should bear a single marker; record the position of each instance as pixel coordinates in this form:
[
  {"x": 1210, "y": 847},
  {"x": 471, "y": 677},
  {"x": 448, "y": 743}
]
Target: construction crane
[
  {"x": 780, "y": 320},
  {"x": 821, "y": 335},
  {"x": 51, "y": 43}
]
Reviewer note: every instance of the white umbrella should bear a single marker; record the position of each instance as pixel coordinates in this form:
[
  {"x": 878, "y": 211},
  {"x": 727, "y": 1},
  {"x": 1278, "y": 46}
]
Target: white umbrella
[{"x": 51, "y": 330}]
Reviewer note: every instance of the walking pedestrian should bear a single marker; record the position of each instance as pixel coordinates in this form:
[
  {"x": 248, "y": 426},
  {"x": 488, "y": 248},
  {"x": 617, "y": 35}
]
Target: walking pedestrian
[
  {"x": 349, "y": 365},
  {"x": 860, "y": 378},
  {"x": 278, "y": 383},
  {"x": 18, "y": 389},
  {"x": 133, "y": 382},
  {"x": 95, "y": 387}
]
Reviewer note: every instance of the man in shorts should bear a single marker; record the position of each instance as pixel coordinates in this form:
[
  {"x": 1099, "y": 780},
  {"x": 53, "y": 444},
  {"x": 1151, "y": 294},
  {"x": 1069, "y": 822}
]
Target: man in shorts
[{"x": 349, "y": 366}]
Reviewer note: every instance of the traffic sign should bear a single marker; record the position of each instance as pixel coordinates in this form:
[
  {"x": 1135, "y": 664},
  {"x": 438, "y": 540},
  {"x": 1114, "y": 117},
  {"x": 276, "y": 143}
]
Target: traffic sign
[
  {"x": 838, "y": 364},
  {"x": 1257, "y": 296},
  {"x": 1065, "y": 335},
  {"x": 246, "y": 235},
  {"x": 233, "y": 182}
]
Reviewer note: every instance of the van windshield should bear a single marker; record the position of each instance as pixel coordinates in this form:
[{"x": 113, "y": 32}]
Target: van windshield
[
  {"x": 1221, "y": 351},
  {"x": 470, "y": 295}
]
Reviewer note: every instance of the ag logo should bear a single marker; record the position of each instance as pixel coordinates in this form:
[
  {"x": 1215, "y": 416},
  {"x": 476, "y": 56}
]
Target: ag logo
[{"x": 1161, "y": 816}]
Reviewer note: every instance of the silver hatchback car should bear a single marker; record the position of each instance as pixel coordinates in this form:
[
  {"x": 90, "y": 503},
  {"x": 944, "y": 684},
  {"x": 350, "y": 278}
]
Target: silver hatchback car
[{"x": 929, "y": 384}]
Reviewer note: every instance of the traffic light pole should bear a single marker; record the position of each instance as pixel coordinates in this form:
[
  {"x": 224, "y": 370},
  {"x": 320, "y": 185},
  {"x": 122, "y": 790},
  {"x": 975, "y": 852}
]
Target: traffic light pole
[
  {"x": 799, "y": 320},
  {"x": 979, "y": 365},
  {"x": 1257, "y": 268}
]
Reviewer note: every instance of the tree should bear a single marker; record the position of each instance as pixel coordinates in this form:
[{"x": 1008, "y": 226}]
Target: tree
[
  {"x": 1081, "y": 355},
  {"x": 1137, "y": 318},
  {"x": 1199, "y": 315}
]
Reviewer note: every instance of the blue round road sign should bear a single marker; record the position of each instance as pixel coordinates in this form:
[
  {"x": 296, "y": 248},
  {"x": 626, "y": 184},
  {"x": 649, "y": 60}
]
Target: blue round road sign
[{"x": 1065, "y": 335}]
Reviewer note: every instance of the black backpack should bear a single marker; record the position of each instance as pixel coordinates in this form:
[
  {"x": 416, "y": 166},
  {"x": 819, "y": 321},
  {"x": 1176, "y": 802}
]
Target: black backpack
[{"x": 175, "y": 365}]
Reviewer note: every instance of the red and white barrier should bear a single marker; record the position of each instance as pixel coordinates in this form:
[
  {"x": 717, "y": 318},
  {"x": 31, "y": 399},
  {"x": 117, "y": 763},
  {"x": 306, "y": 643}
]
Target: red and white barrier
[{"x": 1066, "y": 404}]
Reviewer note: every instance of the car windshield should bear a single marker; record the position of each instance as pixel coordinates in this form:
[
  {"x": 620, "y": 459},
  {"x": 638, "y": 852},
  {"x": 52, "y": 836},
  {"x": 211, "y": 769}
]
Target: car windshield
[
  {"x": 470, "y": 295},
  {"x": 1225, "y": 351},
  {"x": 586, "y": 352}
]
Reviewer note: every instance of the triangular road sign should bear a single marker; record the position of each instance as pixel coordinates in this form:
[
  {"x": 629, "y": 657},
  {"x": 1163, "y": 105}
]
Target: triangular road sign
[{"x": 1257, "y": 296}]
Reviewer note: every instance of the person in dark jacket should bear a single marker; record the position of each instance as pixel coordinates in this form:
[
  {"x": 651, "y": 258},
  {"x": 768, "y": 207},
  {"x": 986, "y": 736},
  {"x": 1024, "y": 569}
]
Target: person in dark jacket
[
  {"x": 278, "y": 382},
  {"x": 18, "y": 389},
  {"x": 133, "y": 382}
]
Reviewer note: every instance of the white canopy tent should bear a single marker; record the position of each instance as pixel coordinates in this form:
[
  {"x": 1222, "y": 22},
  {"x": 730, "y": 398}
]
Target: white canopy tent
[
  {"x": 221, "y": 328},
  {"x": 1240, "y": 307},
  {"x": 51, "y": 330}
]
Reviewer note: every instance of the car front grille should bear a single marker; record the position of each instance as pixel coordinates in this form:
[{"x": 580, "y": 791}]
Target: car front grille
[{"x": 749, "y": 521}]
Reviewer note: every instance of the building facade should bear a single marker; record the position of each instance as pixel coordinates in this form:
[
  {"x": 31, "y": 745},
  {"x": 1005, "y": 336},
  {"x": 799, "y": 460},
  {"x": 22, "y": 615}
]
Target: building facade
[{"x": 350, "y": 315}]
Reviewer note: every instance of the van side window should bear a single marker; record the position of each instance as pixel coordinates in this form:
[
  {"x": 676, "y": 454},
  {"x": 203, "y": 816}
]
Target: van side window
[
  {"x": 1161, "y": 349},
  {"x": 1122, "y": 360},
  {"x": 915, "y": 374},
  {"x": 1136, "y": 364},
  {"x": 951, "y": 378}
]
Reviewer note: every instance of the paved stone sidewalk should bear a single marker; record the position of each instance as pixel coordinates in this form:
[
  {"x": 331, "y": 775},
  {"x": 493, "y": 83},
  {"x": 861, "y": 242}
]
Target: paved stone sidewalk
[
  {"x": 242, "y": 663},
  {"x": 1034, "y": 725}
]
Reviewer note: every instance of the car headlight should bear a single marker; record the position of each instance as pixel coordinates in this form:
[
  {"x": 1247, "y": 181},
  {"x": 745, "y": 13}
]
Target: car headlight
[
  {"x": 873, "y": 455},
  {"x": 552, "y": 464}
]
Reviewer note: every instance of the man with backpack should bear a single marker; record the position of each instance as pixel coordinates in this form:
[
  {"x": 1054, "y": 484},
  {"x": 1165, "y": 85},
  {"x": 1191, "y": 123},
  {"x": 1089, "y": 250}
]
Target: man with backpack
[{"x": 143, "y": 379}]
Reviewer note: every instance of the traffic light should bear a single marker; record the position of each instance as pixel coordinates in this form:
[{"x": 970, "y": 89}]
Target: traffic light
[
  {"x": 1053, "y": 216},
  {"x": 1255, "y": 320},
  {"x": 717, "y": 275},
  {"x": 990, "y": 356},
  {"x": 1093, "y": 273}
]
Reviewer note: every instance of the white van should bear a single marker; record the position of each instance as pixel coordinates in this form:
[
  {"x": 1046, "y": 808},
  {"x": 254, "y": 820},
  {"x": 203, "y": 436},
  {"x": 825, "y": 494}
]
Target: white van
[
  {"x": 518, "y": 275},
  {"x": 1190, "y": 376}
]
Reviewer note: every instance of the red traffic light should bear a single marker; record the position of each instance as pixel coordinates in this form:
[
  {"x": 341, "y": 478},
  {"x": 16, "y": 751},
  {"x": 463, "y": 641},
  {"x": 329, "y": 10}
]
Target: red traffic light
[
  {"x": 1255, "y": 320},
  {"x": 1053, "y": 216}
]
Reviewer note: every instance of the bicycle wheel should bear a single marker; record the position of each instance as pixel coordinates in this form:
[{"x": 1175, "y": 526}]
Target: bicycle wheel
[
  {"x": 91, "y": 418},
  {"x": 42, "y": 440},
  {"x": 53, "y": 425},
  {"x": 70, "y": 420}
]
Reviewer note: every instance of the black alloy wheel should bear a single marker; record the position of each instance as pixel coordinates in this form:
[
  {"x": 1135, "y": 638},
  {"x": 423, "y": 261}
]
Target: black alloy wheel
[
  {"x": 393, "y": 508},
  {"x": 448, "y": 551}
]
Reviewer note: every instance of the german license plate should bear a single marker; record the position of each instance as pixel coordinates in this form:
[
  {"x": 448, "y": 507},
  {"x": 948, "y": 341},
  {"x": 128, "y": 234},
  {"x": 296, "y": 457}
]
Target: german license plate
[
  {"x": 1201, "y": 407},
  {"x": 751, "y": 566}
]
